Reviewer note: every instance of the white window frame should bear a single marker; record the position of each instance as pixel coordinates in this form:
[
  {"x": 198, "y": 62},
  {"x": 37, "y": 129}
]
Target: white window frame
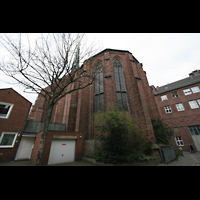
[
  {"x": 164, "y": 97},
  {"x": 178, "y": 140},
  {"x": 180, "y": 107},
  {"x": 9, "y": 111},
  {"x": 167, "y": 109},
  {"x": 198, "y": 100},
  {"x": 195, "y": 89},
  {"x": 13, "y": 143},
  {"x": 187, "y": 91},
  {"x": 193, "y": 104}
]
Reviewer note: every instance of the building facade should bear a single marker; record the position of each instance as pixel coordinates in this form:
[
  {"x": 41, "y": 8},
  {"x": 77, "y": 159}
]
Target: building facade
[
  {"x": 12, "y": 105},
  {"x": 121, "y": 80},
  {"x": 179, "y": 106}
]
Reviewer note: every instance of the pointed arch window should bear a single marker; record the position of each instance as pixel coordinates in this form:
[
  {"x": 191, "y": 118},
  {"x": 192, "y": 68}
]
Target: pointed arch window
[
  {"x": 120, "y": 86},
  {"x": 99, "y": 89}
]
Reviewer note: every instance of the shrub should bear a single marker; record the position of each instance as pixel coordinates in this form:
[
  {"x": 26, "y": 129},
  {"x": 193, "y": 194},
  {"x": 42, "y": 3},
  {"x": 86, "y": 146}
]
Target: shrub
[
  {"x": 162, "y": 131},
  {"x": 123, "y": 141}
]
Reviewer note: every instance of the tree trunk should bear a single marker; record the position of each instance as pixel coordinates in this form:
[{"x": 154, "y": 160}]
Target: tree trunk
[{"x": 44, "y": 135}]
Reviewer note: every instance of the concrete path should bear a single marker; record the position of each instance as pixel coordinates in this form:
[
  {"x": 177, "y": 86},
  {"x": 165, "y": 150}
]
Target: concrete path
[
  {"x": 29, "y": 163},
  {"x": 189, "y": 159},
  {"x": 17, "y": 163},
  {"x": 77, "y": 163}
]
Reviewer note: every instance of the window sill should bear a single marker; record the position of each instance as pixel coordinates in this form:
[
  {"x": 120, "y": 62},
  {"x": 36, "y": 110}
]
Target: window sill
[
  {"x": 3, "y": 147},
  {"x": 3, "y": 117}
]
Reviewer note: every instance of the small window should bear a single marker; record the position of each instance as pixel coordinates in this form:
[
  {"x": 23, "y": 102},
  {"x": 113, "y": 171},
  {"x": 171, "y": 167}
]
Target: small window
[
  {"x": 198, "y": 100},
  {"x": 195, "y": 89},
  {"x": 193, "y": 104},
  {"x": 180, "y": 107},
  {"x": 179, "y": 141},
  {"x": 174, "y": 94},
  {"x": 7, "y": 140},
  {"x": 164, "y": 97},
  {"x": 187, "y": 91},
  {"x": 5, "y": 109},
  {"x": 168, "y": 109}
]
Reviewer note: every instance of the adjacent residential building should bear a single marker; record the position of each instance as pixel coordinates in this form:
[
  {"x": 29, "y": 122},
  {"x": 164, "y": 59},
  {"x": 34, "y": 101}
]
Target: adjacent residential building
[
  {"x": 179, "y": 106},
  {"x": 14, "y": 110}
]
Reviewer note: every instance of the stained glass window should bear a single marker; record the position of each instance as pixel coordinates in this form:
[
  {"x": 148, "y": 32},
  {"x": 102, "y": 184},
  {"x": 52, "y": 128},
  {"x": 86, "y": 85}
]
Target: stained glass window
[
  {"x": 120, "y": 86},
  {"x": 99, "y": 89}
]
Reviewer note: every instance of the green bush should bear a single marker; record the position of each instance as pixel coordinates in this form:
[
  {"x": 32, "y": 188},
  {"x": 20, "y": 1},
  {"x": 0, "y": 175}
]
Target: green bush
[
  {"x": 162, "y": 131},
  {"x": 123, "y": 141},
  {"x": 177, "y": 153}
]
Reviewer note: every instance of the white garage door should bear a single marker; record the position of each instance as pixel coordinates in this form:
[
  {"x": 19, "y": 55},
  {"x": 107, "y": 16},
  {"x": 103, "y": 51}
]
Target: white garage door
[{"x": 62, "y": 151}]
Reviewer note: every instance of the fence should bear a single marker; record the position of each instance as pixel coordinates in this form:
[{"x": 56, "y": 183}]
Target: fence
[{"x": 167, "y": 154}]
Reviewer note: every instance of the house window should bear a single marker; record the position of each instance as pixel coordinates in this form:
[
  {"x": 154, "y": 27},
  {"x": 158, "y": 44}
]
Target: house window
[
  {"x": 179, "y": 141},
  {"x": 164, "y": 97},
  {"x": 198, "y": 100},
  {"x": 7, "y": 140},
  {"x": 193, "y": 104},
  {"x": 195, "y": 89},
  {"x": 99, "y": 90},
  {"x": 174, "y": 94},
  {"x": 187, "y": 91},
  {"x": 5, "y": 109},
  {"x": 194, "y": 130},
  {"x": 180, "y": 107},
  {"x": 168, "y": 109},
  {"x": 120, "y": 86}
]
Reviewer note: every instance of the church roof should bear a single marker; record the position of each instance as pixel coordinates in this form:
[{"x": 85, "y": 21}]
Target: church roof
[{"x": 107, "y": 49}]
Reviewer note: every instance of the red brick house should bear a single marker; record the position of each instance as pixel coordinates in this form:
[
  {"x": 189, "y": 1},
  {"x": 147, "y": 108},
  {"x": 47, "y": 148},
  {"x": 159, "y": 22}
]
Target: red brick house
[
  {"x": 121, "y": 80},
  {"x": 14, "y": 110},
  {"x": 179, "y": 106}
]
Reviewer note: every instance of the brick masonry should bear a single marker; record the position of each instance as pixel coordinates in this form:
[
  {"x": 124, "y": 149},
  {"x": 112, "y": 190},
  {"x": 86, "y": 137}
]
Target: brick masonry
[
  {"x": 76, "y": 109},
  {"x": 180, "y": 120},
  {"x": 14, "y": 123}
]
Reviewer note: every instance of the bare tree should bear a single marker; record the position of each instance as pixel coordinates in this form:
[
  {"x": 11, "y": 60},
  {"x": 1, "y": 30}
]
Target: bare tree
[{"x": 46, "y": 65}]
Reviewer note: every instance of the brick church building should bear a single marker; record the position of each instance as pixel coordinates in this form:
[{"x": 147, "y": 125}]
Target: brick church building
[{"x": 121, "y": 80}]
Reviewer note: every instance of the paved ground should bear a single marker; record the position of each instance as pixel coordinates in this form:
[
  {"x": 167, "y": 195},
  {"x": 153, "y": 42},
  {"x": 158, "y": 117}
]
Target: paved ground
[
  {"x": 17, "y": 163},
  {"x": 29, "y": 163},
  {"x": 77, "y": 163},
  {"x": 189, "y": 159}
]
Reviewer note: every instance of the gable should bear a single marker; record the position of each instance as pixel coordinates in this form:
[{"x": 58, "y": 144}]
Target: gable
[{"x": 9, "y": 93}]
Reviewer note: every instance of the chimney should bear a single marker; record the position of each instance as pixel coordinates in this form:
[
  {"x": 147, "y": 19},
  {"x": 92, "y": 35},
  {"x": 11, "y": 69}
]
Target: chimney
[{"x": 195, "y": 73}]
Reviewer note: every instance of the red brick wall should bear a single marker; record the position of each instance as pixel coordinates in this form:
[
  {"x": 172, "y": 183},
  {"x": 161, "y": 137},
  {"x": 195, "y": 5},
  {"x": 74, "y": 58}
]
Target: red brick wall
[
  {"x": 78, "y": 106},
  {"x": 76, "y": 109},
  {"x": 36, "y": 148},
  {"x": 16, "y": 119},
  {"x": 180, "y": 120}
]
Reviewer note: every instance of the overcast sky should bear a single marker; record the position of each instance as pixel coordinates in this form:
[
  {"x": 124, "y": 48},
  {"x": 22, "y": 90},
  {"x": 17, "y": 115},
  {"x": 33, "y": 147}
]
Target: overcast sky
[{"x": 166, "y": 57}]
